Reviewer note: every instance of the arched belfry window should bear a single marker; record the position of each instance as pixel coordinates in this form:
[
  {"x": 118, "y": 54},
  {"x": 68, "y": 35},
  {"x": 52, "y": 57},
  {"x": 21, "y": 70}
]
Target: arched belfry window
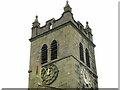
[
  {"x": 87, "y": 57},
  {"x": 81, "y": 52},
  {"x": 44, "y": 54},
  {"x": 53, "y": 50}
]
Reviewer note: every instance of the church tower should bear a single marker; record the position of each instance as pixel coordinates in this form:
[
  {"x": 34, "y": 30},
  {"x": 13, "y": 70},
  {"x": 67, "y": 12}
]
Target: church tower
[{"x": 62, "y": 54}]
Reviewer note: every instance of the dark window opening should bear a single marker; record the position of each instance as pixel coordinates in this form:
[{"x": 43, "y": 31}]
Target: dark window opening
[
  {"x": 53, "y": 50},
  {"x": 87, "y": 58},
  {"x": 44, "y": 54},
  {"x": 81, "y": 52}
]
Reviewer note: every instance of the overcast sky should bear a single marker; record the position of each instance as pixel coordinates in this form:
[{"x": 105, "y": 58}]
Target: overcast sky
[{"x": 16, "y": 17}]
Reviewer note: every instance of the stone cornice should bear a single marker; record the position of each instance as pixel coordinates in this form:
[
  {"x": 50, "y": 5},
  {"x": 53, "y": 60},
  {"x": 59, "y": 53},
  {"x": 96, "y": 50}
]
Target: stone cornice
[{"x": 56, "y": 60}]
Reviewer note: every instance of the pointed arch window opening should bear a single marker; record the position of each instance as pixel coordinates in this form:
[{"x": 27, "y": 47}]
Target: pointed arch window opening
[
  {"x": 81, "y": 52},
  {"x": 51, "y": 26},
  {"x": 54, "y": 50},
  {"x": 44, "y": 54},
  {"x": 87, "y": 58}
]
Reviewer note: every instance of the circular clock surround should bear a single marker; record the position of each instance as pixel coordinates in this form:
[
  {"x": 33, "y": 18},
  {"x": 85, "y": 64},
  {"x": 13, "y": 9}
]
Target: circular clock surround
[
  {"x": 86, "y": 78},
  {"x": 49, "y": 74}
]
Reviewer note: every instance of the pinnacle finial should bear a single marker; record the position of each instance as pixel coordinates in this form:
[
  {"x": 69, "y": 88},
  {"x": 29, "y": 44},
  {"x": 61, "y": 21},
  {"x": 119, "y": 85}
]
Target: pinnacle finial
[
  {"x": 87, "y": 23},
  {"x": 67, "y": 3},
  {"x": 36, "y": 16},
  {"x": 87, "y": 26},
  {"x": 36, "y": 22},
  {"x": 67, "y": 6}
]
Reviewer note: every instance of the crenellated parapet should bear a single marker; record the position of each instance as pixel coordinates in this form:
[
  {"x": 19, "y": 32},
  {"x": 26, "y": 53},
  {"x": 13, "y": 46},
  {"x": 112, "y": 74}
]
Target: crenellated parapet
[{"x": 66, "y": 18}]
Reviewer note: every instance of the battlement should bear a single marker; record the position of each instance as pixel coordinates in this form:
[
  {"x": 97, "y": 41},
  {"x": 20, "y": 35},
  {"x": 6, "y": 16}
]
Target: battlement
[{"x": 66, "y": 17}]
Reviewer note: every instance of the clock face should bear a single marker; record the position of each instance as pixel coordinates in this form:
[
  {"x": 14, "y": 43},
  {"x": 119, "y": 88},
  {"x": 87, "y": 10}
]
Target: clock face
[
  {"x": 49, "y": 74},
  {"x": 86, "y": 78}
]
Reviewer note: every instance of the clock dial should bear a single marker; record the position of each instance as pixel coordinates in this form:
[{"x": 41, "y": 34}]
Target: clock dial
[
  {"x": 49, "y": 74},
  {"x": 86, "y": 78}
]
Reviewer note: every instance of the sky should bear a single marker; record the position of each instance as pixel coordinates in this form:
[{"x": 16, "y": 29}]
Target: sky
[{"x": 16, "y": 17}]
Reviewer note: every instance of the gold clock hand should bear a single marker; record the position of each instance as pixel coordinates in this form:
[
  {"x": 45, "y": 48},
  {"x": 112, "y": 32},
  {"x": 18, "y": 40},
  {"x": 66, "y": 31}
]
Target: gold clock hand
[{"x": 48, "y": 71}]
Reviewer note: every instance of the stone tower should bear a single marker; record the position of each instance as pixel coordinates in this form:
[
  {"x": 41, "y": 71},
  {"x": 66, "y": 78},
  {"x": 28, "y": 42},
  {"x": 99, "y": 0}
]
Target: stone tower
[{"x": 62, "y": 54}]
